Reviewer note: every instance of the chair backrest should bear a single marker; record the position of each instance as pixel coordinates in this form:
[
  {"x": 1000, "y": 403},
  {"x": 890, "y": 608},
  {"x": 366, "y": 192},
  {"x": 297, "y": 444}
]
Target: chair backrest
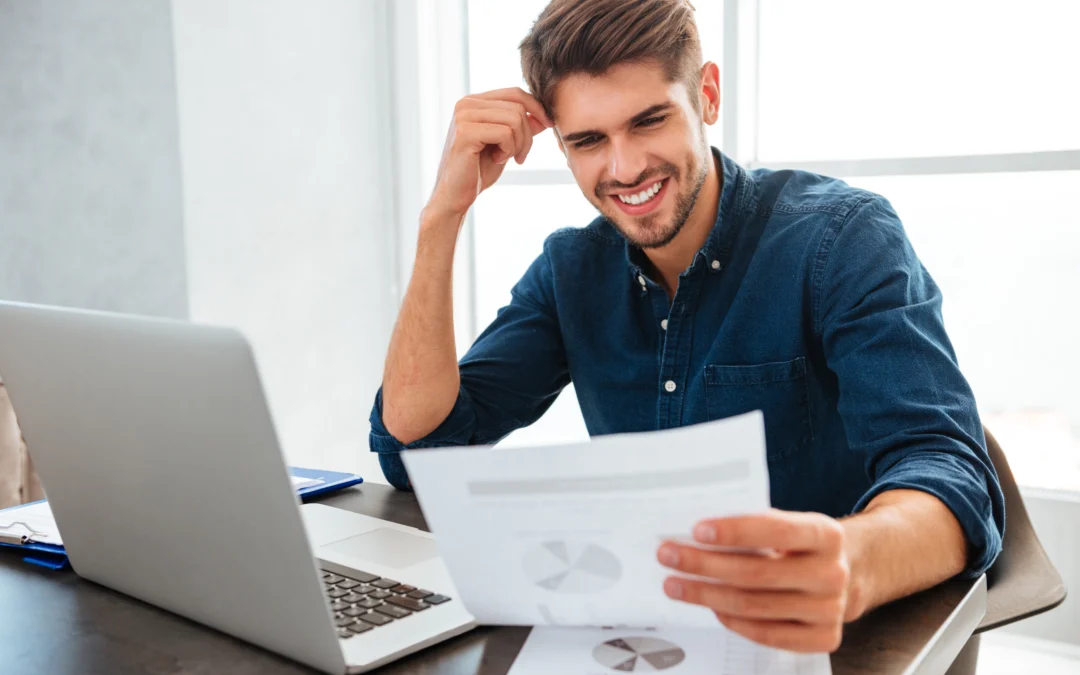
[{"x": 1022, "y": 582}]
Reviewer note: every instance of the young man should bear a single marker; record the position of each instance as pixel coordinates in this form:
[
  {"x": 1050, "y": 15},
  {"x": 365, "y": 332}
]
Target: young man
[{"x": 702, "y": 291}]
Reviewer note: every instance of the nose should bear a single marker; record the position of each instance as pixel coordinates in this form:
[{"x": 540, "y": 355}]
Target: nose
[{"x": 626, "y": 162}]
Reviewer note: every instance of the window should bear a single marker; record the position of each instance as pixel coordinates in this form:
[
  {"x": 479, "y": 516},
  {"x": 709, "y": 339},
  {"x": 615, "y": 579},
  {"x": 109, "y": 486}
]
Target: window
[
  {"x": 852, "y": 79},
  {"x": 962, "y": 114}
]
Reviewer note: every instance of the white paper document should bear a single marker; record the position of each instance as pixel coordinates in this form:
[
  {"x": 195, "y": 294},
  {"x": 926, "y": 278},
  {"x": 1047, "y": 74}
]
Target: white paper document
[
  {"x": 33, "y": 522},
  {"x": 567, "y": 535},
  {"x": 597, "y": 651},
  {"x": 299, "y": 483}
]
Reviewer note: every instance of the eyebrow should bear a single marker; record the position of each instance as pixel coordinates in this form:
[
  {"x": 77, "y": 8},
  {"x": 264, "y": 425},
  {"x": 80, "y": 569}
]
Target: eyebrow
[{"x": 644, "y": 114}]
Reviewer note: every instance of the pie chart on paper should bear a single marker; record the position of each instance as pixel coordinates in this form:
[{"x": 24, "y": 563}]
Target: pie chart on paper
[
  {"x": 572, "y": 567},
  {"x": 638, "y": 655}
]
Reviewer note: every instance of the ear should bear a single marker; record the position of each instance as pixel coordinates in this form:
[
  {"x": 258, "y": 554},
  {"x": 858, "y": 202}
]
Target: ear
[{"x": 710, "y": 93}]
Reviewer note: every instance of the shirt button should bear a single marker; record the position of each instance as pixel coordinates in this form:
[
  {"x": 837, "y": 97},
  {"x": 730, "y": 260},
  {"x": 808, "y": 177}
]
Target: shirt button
[
  {"x": 716, "y": 264},
  {"x": 663, "y": 324},
  {"x": 641, "y": 280},
  {"x": 669, "y": 386}
]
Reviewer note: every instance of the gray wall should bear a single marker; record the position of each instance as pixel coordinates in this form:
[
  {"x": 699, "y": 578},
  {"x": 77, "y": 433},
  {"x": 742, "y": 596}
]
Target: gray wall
[{"x": 90, "y": 200}]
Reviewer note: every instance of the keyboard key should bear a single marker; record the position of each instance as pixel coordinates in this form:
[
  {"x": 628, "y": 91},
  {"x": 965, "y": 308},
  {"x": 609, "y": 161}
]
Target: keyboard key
[
  {"x": 436, "y": 599},
  {"x": 337, "y": 593},
  {"x": 331, "y": 578},
  {"x": 338, "y": 605},
  {"x": 364, "y": 589},
  {"x": 359, "y": 627},
  {"x": 391, "y": 610},
  {"x": 407, "y": 603},
  {"x": 341, "y": 623},
  {"x": 419, "y": 594},
  {"x": 402, "y": 588},
  {"x": 363, "y": 577},
  {"x": 344, "y": 633},
  {"x": 352, "y": 597},
  {"x": 355, "y": 611},
  {"x": 348, "y": 584},
  {"x": 384, "y": 583},
  {"x": 369, "y": 603},
  {"x": 379, "y": 595},
  {"x": 376, "y": 619}
]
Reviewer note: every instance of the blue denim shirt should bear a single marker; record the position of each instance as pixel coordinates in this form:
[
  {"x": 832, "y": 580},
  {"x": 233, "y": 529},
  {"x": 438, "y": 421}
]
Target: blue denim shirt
[{"x": 806, "y": 302}]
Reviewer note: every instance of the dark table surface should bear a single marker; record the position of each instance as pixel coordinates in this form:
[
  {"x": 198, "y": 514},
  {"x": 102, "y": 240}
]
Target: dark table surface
[{"x": 57, "y": 623}]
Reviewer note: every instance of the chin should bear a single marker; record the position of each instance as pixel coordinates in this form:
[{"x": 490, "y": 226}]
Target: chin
[{"x": 645, "y": 235}]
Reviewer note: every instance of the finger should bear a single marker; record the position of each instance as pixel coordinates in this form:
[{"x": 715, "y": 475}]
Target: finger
[
  {"x": 775, "y": 529},
  {"x": 746, "y": 604},
  {"x": 797, "y": 572},
  {"x": 788, "y": 635},
  {"x": 529, "y": 125},
  {"x": 476, "y": 136},
  {"x": 535, "y": 125},
  {"x": 514, "y": 118},
  {"x": 518, "y": 95}
]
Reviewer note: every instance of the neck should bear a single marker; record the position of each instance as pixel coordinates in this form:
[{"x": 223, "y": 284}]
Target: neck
[{"x": 671, "y": 260}]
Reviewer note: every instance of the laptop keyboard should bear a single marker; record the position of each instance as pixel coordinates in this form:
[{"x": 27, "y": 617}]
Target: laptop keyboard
[{"x": 364, "y": 601}]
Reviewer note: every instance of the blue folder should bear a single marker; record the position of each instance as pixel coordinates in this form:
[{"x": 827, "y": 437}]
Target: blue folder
[
  {"x": 331, "y": 481},
  {"x": 54, "y": 557}
]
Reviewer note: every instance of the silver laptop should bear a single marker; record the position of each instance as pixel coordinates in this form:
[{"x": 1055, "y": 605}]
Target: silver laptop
[{"x": 158, "y": 453}]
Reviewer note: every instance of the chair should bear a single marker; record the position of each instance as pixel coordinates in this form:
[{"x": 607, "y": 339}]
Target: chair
[{"x": 1022, "y": 582}]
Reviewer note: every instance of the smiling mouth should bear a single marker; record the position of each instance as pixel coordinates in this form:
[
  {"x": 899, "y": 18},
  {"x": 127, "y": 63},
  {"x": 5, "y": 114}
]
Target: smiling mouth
[
  {"x": 645, "y": 200},
  {"x": 644, "y": 196}
]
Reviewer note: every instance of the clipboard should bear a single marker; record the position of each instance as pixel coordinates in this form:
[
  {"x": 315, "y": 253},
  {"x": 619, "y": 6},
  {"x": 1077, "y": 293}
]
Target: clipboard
[{"x": 21, "y": 535}]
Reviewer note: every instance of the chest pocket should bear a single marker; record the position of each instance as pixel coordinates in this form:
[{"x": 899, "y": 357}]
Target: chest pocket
[{"x": 778, "y": 389}]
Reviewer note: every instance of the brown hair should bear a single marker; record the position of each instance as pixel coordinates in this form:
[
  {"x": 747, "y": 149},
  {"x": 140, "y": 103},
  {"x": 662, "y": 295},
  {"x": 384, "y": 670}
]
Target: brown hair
[{"x": 592, "y": 36}]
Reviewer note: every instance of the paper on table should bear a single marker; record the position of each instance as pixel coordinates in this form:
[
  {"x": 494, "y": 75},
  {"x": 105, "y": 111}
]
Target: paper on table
[
  {"x": 299, "y": 482},
  {"x": 567, "y": 535},
  {"x": 687, "y": 651},
  {"x": 34, "y": 521}
]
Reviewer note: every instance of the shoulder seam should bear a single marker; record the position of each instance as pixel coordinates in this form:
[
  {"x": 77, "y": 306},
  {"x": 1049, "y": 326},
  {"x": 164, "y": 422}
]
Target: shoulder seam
[{"x": 824, "y": 254}]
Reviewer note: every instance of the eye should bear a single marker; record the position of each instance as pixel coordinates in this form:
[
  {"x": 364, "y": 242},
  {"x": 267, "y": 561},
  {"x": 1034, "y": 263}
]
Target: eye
[
  {"x": 652, "y": 121},
  {"x": 586, "y": 142}
]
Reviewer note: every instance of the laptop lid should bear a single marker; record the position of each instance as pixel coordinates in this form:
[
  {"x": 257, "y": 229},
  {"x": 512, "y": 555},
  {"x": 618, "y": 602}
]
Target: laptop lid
[{"x": 160, "y": 460}]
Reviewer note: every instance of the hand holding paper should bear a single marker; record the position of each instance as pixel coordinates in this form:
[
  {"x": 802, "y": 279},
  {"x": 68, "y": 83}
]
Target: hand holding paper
[{"x": 793, "y": 597}]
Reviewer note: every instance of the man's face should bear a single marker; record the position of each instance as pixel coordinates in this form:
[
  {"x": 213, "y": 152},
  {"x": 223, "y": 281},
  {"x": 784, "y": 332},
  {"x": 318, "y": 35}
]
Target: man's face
[{"x": 636, "y": 147}]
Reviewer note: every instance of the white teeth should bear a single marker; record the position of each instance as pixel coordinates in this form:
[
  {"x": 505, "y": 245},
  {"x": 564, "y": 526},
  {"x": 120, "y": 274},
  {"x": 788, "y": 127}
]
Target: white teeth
[{"x": 643, "y": 196}]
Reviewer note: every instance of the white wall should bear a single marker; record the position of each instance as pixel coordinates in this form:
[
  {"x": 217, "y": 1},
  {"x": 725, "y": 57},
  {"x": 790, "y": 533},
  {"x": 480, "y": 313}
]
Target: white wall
[
  {"x": 285, "y": 152},
  {"x": 90, "y": 207}
]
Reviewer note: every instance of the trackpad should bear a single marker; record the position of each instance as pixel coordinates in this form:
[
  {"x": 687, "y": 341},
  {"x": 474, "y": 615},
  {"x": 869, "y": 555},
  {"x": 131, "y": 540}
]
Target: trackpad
[{"x": 388, "y": 547}]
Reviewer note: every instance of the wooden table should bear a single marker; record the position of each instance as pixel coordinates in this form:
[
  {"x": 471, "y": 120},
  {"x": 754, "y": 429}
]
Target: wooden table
[{"x": 57, "y": 623}]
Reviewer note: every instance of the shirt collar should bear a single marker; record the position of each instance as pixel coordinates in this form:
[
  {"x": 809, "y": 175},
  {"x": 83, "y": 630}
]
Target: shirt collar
[{"x": 716, "y": 245}]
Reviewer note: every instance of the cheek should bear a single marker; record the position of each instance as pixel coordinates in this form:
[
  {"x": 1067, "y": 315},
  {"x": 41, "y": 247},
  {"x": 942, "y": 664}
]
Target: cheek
[{"x": 587, "y": 175}]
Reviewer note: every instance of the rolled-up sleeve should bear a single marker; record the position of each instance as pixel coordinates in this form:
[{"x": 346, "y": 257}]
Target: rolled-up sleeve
[
  {"x": 905, "y": 405},
  {"x": 509, "y": 377}
]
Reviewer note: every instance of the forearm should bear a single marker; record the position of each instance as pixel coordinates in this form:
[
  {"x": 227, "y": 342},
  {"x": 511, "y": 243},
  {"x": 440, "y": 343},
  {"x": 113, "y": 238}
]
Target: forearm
[
  {"x": 421, "y": 381},
  {"x": 902, "y": 542}
]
